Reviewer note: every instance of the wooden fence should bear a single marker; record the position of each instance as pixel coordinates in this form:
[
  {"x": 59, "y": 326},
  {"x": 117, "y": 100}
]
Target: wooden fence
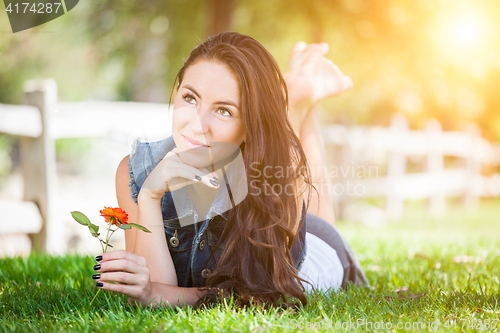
[
  {"x": 42, "y": 120},
  {"x": 380, "y": 157}
]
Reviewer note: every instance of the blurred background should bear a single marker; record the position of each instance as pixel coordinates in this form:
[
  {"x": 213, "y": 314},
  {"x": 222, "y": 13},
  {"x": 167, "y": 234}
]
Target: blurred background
[{"x": 411, "y": 62}]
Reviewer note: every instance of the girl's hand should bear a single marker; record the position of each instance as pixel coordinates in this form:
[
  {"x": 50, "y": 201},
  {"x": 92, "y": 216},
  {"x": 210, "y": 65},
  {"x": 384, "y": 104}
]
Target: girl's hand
[
  {"x": 172, "y": 174},
  {"x": 130, "y": 273}
]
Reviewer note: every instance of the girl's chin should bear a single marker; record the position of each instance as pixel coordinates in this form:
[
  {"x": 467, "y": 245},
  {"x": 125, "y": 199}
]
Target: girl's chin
[{"x": 199, "y": 158}]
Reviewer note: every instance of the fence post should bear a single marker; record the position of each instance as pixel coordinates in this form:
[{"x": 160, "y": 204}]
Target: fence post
[
  {"x": 396, "y": 166},
  {"x": 435, "y": 167},
  {"x": 473, "y": 168},
  {"x": 38, "y": 163}
]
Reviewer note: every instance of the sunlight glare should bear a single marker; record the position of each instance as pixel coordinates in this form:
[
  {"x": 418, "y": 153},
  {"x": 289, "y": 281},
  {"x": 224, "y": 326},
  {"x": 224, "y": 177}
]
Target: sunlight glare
[
  {"x": 461, "y": 35},
  {"x": 467, "y": 31}
]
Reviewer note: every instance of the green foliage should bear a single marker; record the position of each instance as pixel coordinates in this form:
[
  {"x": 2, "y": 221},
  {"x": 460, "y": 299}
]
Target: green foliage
[
  {"x": 94, "y": 230},
  {"x": 452, "y": 264},
  {"x": 138, "y": 226},
  {"x": 84, "y": 220},
  {"x": 410, "y": 57},
  {"x": 71, "y": 153},
  {"x": 81, "y": 218}
]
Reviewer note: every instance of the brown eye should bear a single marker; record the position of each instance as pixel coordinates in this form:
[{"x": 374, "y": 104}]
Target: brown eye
[
  {"x": 189, "y": 98},
  {"x": 227, "y": 112}
]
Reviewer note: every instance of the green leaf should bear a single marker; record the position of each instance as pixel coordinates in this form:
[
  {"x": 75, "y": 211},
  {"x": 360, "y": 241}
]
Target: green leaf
[
  {"x": 138, "y": 226},
  {"x": 94, "y": 230},
  {"x": 124, "y": 226},
  {"x": 81, "y": 218}
]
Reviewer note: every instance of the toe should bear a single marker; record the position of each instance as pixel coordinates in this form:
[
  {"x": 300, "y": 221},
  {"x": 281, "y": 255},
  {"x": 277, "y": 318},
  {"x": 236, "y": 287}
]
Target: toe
[{"x": 299, "y": 46}]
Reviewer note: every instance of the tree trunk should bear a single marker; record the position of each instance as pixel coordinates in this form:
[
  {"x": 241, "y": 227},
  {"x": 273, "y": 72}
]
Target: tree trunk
[{"x": 222, "y": 11}]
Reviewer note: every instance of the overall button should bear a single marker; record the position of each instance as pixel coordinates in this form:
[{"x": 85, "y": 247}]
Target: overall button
[
  {"x": 174, "y": 242},
  {"x": 205, "y": 273},
  {"x": 202, "y": 244}
]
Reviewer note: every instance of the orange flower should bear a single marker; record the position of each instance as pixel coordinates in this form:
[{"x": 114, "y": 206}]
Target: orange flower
[{"x": 115, "y": 216}]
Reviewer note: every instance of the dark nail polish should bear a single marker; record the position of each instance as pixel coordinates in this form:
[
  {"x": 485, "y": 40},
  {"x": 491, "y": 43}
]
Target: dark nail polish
[
  {"x": 96, "y": 276},
  {"x": 198, "y": 178},
  {"x": 98, "y": 258},
  {"x": 214, "y": 183},
  {"x": 99, "y": 284},
  {"x": 97, "y": 267}
]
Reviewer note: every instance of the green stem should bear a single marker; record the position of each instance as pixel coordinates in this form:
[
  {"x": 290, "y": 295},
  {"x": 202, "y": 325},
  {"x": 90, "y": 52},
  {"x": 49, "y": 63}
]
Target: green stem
[
  {"x": 103, "y": 251},
  {"x": 102, "y": 248},
  {"x": 107, "y": 235},
  {"x": 112, "y": 232}
]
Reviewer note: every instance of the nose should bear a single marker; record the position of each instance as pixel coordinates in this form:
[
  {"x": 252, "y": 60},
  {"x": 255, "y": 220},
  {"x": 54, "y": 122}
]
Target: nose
[{"x": 200, "y": 124}]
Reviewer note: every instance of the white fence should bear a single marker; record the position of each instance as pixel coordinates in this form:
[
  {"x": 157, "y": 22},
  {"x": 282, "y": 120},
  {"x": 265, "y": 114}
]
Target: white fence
[
  {"x": 39, "y": 123},
  {"x": 371, "y": 149},
  {"x": 42, "y": 120}
]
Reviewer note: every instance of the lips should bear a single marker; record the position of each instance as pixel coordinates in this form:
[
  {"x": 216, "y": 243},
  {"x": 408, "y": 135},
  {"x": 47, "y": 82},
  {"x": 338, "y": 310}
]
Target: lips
[{"x": 194, "y": 143}]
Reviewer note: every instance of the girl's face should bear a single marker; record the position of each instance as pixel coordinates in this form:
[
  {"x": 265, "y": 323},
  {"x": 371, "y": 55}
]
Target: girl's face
[{"x": 207, "y": 120}]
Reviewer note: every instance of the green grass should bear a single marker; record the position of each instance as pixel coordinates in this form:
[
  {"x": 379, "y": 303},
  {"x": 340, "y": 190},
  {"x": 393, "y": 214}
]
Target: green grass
[{"x": 455, "y": 261}]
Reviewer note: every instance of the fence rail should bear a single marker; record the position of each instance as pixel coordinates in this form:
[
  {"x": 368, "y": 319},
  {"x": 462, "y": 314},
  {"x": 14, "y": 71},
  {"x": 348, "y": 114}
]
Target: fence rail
[{"x": 375, "y": 146}]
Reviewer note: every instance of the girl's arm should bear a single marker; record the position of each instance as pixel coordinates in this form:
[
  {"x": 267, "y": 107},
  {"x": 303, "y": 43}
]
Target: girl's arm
[
  {"x": 145, "y": 271},
  {"x": 124, "y": 197},
  {"x": 152, "y": 246}
]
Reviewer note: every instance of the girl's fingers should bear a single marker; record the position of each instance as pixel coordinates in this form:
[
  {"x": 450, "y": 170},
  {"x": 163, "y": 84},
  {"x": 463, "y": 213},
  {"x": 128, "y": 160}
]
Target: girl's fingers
[
  {"x": 123, "y": 265},
  {"x": 123, "y": 277},
  {"x": 172, "y": 174},
  {"x": 174, "y": 157},
  {"x": 125, "y": 255},
  {"x": 133, "y": 291},
  {"x": 128, "y": 270},
  {"x": 197, "y": 175},
  {"x": 174, "y": 167}
]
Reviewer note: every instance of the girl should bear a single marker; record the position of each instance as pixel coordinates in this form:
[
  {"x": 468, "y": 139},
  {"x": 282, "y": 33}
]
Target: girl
[{"x": 224, "y": 196}]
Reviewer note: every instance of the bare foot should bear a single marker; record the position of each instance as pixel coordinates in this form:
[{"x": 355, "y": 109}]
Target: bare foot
[{"x": 313, "y": 77}]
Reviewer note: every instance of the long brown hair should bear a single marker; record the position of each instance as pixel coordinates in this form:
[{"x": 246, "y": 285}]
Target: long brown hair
[{"x": 256, "y": 263}]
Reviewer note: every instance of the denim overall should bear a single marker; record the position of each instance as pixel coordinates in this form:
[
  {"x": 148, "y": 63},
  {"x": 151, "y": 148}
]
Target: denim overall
[{"x": 194, "y": 248}]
